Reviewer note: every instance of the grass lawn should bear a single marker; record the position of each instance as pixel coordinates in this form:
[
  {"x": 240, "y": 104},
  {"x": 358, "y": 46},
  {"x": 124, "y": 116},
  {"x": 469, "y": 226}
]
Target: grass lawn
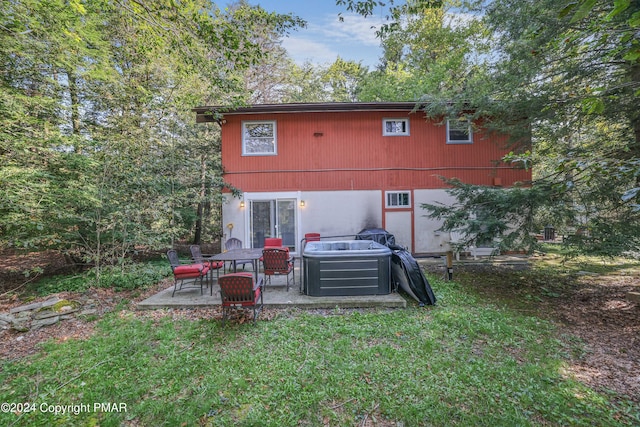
[{"x": 466, "y": 361}]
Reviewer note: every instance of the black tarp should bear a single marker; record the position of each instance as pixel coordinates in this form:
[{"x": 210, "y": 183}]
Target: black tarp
[
  {"x": 377, "y": 235},
  {"x": 405, "y": 270}
]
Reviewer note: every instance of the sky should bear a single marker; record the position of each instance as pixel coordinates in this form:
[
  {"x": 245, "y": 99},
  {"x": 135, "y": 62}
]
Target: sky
[{"x": 325, "y": 37}]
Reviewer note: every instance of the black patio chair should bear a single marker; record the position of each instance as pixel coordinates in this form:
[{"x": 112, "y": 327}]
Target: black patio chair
[
  {"x": 198, "y": 258},
  {"x": 185, "y": 271},
  {"x": 234, "y": 243}
]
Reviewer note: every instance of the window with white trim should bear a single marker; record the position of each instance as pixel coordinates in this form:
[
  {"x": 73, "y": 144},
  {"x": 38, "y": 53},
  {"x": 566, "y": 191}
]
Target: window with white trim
[
  {"x": 395, "y": 127},
  {"x": 398, "y": 199},
  {"x": 459, "y": 132},
  {"x": 259, "y": 138}
]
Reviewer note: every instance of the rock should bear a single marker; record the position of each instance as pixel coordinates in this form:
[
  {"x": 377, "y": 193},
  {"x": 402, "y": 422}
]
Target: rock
[
  {"x": 27, "y": 307},
  {"x": 37, "y": 315},
  {"x": 37, "y": 324},
  {"x": 44, "y": 314},
  {"x": 67, "y": 306},
  {"x": 634, "y": 297},
  {"x": 88, "y": 312},
  {"x": 24, "y": 315},
  {"x": 6, "y": 318},
  {"x": 20, "y": 325},
  {"x": 35, "y": 305},
  {"x": 50, "y": 302}
]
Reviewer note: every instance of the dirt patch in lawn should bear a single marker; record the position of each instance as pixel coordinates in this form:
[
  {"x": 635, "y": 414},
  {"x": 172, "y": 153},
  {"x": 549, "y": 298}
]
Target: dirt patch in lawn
[{"x": 590, "y": 306}]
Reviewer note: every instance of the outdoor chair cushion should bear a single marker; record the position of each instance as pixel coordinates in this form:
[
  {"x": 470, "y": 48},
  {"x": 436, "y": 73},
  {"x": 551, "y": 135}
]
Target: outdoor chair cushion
[
  {"x": 190, "y": 270},
  {"x": 215, "y": 264},
  {"x": 286, "y": 248}
]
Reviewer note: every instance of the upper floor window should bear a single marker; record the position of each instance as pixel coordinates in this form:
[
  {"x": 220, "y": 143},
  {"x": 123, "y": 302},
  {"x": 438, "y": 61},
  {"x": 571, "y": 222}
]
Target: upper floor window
[
  {"x": 398, "y": 199},
  {"x": 395, "y": 127},
  {"x": 259, "y": 138},
  {"x": 459, "y": 132}
]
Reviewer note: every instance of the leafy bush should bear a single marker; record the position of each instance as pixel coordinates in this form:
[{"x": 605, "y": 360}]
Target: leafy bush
[{"x": 125, "y": 277}]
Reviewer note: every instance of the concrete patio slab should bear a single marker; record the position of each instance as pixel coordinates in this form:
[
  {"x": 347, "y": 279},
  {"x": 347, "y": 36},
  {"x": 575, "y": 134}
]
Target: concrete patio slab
[{"x": 275, "y": 296}]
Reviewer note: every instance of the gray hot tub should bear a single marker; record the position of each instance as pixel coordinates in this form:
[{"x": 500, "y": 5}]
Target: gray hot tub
[{"x": 346, "y": 267}]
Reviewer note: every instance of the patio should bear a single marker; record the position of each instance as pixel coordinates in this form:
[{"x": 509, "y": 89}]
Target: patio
[{"x": 275, "y": 296}]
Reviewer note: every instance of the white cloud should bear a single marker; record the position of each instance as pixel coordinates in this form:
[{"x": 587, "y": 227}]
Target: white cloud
[
  {"x": 352, "y": 39},
  {"x": 302, "y": 49},
  {"x": 353, "y": 28}
]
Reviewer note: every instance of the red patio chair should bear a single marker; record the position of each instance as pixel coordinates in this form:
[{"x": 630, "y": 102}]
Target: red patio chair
[
  {"x": 276, "y": 261},
  {"x": 273, "y": 242},
  {"x": 185, "y": 271},
  {"x": 238, "y": 290},
  {"x": 198, "y": 258},
  {"x": 311, "y": 237}
]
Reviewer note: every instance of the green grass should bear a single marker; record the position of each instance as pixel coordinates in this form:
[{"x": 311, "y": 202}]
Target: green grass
[{"x": 464, "y": 362}]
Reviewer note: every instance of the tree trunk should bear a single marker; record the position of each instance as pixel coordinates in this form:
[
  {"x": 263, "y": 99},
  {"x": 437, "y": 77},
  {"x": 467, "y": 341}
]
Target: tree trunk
[
  {"x": 197, "y": 238},
  {"x": 634, "y": 147},
  {"x": 75, "y": 107}
]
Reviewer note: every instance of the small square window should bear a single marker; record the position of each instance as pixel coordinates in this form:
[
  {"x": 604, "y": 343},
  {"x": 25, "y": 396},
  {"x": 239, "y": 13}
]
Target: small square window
[
  {"x": 395, "y": 127},
  {"x": 459, "y": 132},
  {"x": 259, "y": 138},
  {"x": 399, "y": 199}
]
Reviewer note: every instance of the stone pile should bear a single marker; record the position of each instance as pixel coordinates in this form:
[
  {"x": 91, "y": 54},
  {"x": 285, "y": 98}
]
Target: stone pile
[{"x": 36, "y": 315}]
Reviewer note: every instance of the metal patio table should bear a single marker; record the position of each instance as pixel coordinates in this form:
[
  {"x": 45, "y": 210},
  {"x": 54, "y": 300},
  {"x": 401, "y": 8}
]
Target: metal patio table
[{"x": 241, "y": 254}]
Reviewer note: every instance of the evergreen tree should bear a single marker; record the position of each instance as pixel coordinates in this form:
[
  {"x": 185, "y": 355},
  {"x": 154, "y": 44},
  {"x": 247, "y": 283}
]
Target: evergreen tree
[{"x": 563, "y": 80}]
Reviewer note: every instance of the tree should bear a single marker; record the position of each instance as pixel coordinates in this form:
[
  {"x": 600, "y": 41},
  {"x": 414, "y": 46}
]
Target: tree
[
  {"x": 570, "y": 81},
  {"x": 563, "y": 81},
  {"x": 431, "y": 50},
  {"x": 304, "y": 84},
  {"x": 342, "y": 78},
  {"x": 335, "y": 82},
  {"x": 100, "y": 154}
]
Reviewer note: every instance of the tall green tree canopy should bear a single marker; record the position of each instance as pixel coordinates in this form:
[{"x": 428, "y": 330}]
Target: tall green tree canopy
[
  {"x": 99, "y": 151},
  {"x": 563, "y": 79}
]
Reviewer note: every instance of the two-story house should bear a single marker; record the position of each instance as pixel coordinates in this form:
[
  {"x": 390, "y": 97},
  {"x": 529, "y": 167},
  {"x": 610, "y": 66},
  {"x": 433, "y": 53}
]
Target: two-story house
[{"x": 336, "y": 168}]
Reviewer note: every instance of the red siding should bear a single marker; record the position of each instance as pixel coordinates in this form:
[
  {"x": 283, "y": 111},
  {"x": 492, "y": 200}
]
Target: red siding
[{"x": 351, "y": 153}]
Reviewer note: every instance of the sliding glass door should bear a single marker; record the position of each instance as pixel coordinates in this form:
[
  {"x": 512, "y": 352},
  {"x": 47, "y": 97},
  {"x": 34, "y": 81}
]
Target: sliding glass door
[{"x": 273, "y": 218}]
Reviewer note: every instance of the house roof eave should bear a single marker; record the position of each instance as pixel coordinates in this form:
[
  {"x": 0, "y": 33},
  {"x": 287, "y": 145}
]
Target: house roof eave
[{"x": 215, "y": 113}]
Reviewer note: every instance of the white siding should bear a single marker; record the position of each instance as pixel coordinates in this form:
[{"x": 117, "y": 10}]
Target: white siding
[
  {"x": 427, "y": 238},
  {"x": 336, "y": 213},
  {"x": 332, "y": 213}
]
